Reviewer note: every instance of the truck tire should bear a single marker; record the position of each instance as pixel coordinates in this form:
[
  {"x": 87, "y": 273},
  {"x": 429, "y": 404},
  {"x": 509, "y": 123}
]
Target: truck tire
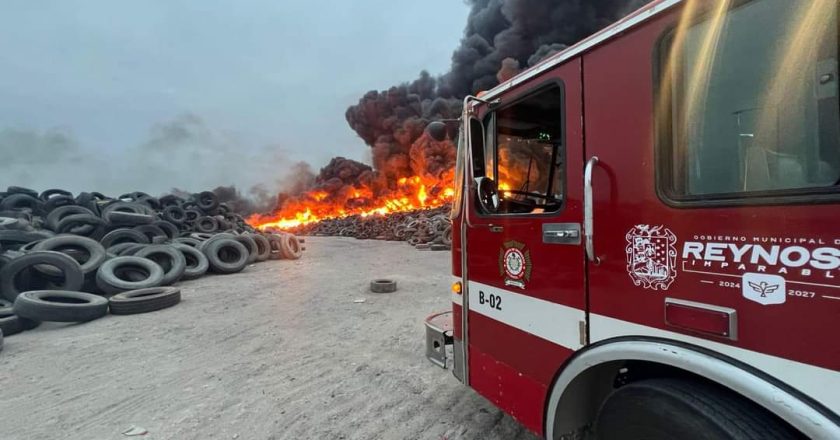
[
  {"x": 383, "y": 286},
  {"x": 276, "y": 246},
  {"x": 171, "y": 260},
  {"x": 60, "y": 306},
  {"x": 197, "y": 263},
  {"x": 113, "y": 276},
  {"x": 155, "y": 234},
  {"x": 57, "y": 214},
  {"x": 92, "y": 255},
  {"x": 123, "y": 235},
  {"x": 207, "y": 224},
  {"x": 73, "y": 278},
  {"x": 664, "y": 409},
  {"x": 290, "y": 247},
  {"x": 12, "y": 324},
  {"x": 263, "y": 247},
  {"x": 226, "y": 255},
  {"x": 207, "y": 201},
  {"x": 251, "y": 245},
  {"x": 144, "y": 300}
]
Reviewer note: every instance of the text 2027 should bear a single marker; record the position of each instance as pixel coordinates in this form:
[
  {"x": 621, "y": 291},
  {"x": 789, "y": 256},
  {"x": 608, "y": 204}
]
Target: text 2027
[{"x": 495, "y": 301}]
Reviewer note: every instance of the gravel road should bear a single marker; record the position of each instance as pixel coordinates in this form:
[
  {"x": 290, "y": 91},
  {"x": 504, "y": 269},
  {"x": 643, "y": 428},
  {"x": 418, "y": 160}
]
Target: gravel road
[{"x": 279, "y": 351}]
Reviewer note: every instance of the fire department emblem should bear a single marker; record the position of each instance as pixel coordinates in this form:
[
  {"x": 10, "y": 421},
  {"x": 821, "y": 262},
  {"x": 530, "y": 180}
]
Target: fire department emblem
[
  {"x": 515, "y": 264},
  {"x": 651, "y": 256}
]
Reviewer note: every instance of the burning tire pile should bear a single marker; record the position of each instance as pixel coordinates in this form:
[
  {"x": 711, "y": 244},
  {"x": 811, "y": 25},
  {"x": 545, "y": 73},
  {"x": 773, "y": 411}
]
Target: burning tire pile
[
  {"x": 428, "y": 229},
  {"x": 67, "y": 258}
]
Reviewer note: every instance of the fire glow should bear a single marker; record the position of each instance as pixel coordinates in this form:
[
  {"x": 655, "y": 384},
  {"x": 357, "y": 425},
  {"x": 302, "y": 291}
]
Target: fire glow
[{"x": 410, "y": 194}]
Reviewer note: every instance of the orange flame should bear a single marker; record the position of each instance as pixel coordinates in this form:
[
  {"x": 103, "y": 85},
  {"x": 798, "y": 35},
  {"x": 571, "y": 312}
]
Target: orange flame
[{"x": 408, "y": 194}]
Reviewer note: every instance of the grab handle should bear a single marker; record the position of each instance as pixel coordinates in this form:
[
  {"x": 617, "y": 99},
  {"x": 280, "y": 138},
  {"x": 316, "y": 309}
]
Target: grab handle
[{"x": 588, "y": 214}]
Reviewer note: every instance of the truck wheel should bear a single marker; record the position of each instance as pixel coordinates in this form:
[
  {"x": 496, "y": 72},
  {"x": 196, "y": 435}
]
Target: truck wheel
[
  {"x": 144, "y": 300},
  {"x": 171, "y": 260},
  {"x": 666, "y": 409}
]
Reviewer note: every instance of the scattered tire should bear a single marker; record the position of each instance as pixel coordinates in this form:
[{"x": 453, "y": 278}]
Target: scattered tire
[
  {"x": 196, "y": 262},
  {"x": 56, "y": 215},
  {"x": 263, "y": 247},
  {"x": 71, "y": 272},
  {"x": 660, "y": 409},
  {"x": 117, "y": 274},
  {"x": 60, "y": 306},
  {"x": 144, "y": 300},
  {"x": 128, "y": 218},
  {"x": 383, "y": 286},
  {"x": 171, "y": 260},
  {"x": 168, "y": 228},
  {"x": 10, "y": 323},
  {"x": 290, "y": 247},
  {"x": 207, "y": 201},
  {"x": 439, "y": 247},
  {"x": 226, "y": 255},
  {"x": 89, "y": 253}
]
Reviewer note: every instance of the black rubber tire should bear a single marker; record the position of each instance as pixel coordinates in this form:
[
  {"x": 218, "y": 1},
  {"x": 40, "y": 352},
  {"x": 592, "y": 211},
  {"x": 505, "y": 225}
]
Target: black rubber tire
[
  {"x": 439, "y": 247},
  {"x": 207, "y": 201},
  {"x": 226, "y": 255},
  {"x": 22, "y": 190},
  {"x": 251, "y": 245},
  {"x": 49, "y": 193},
  {"x": 197, "y": 263},
  {"x": 207, "y": 224},
  {"x": 96, "y": 254},
  {"x": 276, "y": 245},
  {"x": 117, "y": 249},
  {"x": 670, "y": 408},
  {"x": 383, "y": 286},
  {"x": 121, "y": 218},
  {"x": 167, "y": 257},
  {"x": 170, "y": 229},
  {"x": 59, "y": 213},
  {"x": 123, "y": 235},
  {"x": 70, "y": 268},
  {"x": 108, "y": 281},
  {"x": 189, "y": 241},
  {"x": 57, "y": 202},
  {"x": 60, "y": 306},
  {"x": 12, "y": 324},
  {"x": 263, "y": 247},
  {"x": 15, "y": 239},
  {"x": 155, "y": 234},
  {"x": 5, "y": 304},
  {"x": 15, "y": 202},
  {"x": 174, "y": 214},
  {"x": 192, "y": 214},
  {"x": 144, "y": 300},
  {"x": 132, "y": 249}
]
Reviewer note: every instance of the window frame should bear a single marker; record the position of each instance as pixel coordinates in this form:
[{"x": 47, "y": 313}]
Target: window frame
[
  {"x": 665, "y": 145},
  {"x": 491, "y": 116}
]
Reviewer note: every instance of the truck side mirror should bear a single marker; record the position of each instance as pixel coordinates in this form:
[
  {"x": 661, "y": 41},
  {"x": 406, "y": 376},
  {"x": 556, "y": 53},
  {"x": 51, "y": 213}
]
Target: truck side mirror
[
  {"x": 488, "y": 196},
  {"x": 437, "y": 130}
]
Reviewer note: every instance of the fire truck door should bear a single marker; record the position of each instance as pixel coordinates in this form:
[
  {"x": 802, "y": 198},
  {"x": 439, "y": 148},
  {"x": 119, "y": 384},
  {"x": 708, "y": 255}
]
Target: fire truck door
[{"x": 525, "y": 258}]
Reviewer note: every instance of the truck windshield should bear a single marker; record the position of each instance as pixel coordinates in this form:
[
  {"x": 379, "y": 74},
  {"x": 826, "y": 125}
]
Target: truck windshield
[{"x": 459, "y": 176}]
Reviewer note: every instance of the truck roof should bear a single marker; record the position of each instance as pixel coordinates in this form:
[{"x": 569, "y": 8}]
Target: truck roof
[{"x": 633, "y": 19}]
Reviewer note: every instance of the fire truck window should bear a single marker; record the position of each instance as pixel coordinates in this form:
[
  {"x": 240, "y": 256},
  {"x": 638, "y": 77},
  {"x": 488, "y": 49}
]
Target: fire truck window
[
  {"x": 754, "y": 101},
  {"x": 529, "y": 153}
]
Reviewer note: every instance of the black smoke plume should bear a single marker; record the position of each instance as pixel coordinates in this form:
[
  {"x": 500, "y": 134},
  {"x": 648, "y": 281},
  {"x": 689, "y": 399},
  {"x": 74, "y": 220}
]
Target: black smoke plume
[{"x": 501, "y": 37}]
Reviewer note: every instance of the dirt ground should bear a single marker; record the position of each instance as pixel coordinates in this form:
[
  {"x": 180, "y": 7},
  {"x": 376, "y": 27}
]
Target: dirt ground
[{"x": 279, "y": 351}]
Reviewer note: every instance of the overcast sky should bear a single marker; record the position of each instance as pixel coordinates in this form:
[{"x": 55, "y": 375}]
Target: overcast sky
[{"x": 120, "y": 95}]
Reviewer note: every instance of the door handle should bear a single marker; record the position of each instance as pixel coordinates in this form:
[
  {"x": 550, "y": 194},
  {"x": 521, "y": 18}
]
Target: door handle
[
  {"x": 496, "y": 228},
  {"x": 561, "y": 233},
  {"x": 588, "y": 212}
]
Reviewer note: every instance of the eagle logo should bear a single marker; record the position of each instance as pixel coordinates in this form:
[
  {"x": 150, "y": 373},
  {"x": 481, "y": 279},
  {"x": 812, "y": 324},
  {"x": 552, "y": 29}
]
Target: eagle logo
[{"x": 763, "y": 288}]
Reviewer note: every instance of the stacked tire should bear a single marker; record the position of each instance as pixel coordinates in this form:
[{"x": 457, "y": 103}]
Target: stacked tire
[{"x": 67, "y": 258}]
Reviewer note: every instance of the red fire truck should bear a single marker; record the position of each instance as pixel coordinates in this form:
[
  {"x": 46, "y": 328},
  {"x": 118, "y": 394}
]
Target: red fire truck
[{"x": 647, "y": 230}]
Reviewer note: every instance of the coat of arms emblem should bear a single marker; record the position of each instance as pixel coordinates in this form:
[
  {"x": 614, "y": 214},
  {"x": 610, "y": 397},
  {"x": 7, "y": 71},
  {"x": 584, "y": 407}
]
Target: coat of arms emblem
[
  {"x": 651, "y": 256},
  {"x": 515, "y": 264}
]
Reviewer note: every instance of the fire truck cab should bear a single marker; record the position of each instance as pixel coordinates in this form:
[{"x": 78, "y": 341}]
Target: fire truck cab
[{"x": 645, "y": 230}]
